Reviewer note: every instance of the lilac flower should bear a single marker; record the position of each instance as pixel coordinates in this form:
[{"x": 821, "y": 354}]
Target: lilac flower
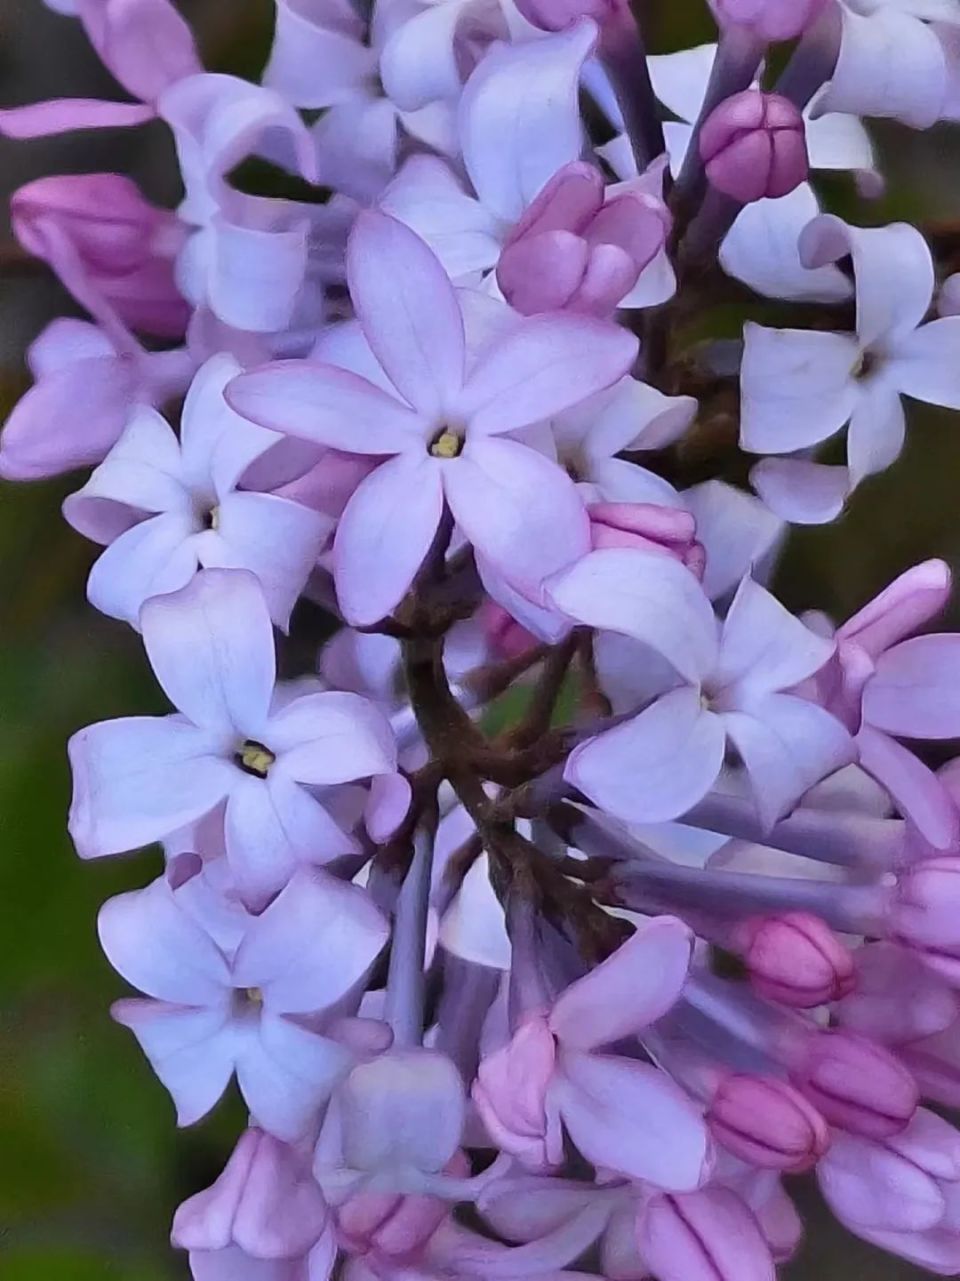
[
  {"x": 846, "y": 378},
  {"x": 731, "y": 682},
  {"x": 140, "y": 779},
  {"x": 109, "y": 246},
  {"x": 167, "y": 508},
  {"x": 550, "y": 1076},
  {"x": 254, "y": 1015},
  {"x": 89, "y": 384},
  {"x": 443, "y": 425}
]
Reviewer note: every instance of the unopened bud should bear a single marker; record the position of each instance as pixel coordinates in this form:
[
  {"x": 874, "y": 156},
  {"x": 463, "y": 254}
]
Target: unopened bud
[
  {"x": 767, "y": 20},
  {"x": 506, "y": 637},
  {"x": 767, "y": 1123},
  {"x": 754, "y": 146},
  {"x": 669, "y": 530},
  {"x": 710, "y": 1235},
  {"x": 795, "y": 959},
  {"x": 925, "y": 913},
  {"x": 856, "y": 1084}
]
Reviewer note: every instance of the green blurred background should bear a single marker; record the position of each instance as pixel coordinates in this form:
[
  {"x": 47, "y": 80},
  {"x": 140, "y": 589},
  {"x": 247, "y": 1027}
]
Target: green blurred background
[{"x": 91, "y": 1166}]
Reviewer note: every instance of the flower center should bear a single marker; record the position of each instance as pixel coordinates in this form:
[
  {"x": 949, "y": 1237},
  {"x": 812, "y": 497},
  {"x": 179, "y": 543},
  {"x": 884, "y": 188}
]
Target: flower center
[
  {"x": 446, "y": 444},
  {"x": 253, "y": 758},
  {"x": 211, "y": 519},
  {"x": 253, "y": 996},
  {"x": 867, "y": 364}
]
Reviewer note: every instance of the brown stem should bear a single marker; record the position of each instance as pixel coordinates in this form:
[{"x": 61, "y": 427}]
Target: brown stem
[{"x": 545, "y": 693}]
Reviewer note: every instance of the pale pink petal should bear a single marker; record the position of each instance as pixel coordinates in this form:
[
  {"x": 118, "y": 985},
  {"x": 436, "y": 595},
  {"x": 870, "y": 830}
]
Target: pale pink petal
[
  {"x": 286, "y": 1074},
  {"x": 632, "y": 1118},
  {"x": 217, "y": 445},
  {"x": 192, "y": 1051},
  {"x": 890, "y": 64},
  {"x": 656, "y": 766},
  {"x": 520, "y": 117},
  {"x": 63, "y": 115},
  {"x": 278, "y": 540},
  {"x": 211, "y": 648},
  {"x": 272, "y": 825},
  {"x": 877, "y": 431},
  {"x": 925, "y": 364},
  {"x": 408, "y": 310},
  {"x": 914, "y": 598},
  {"x": 763, "y": 647},
  {"x": 145, "y": 44},
  {"x": 69, "y": 419},
  {"x": 384, "y": 534},
  {"x": 736, "y": 530},
  {"x": 139, "y": 779},
  {"x": 797, "y": 387},
  {"x": 521, "y": 511},
  {"x": 427, "y": 196},
  {"x": 918, "y": 793},
  {"x": 915, "y": 691},
  {"x": 628, "y": 991},
  {"x": 652, "y": 598},
  {"x": 159, "y": 949},
  {"x": 892, "y": 267},
  {"x": 787, "y": 745},
  {"x": 542, "y": 367},
  {"x": 800, "y": 491},
  {"x": 318, "y": 56},
  {"x": 312, "y": 945},
  {"x": 155, "y": 557},
  {"x": 332, "y": 737},
  {"x": 327, "y": 405}
]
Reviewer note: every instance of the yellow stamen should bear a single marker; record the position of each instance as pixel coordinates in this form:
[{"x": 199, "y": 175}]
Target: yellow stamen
[
  {"x": 447, "y": 445},
  {"x": 255, "y": 758}
]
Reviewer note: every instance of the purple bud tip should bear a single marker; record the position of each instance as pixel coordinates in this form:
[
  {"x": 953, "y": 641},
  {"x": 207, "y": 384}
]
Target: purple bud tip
[
  {"x": 857, "y": 1085},
  {"x": 754, "y": 145},
  {"x": 768, "y": 20}
]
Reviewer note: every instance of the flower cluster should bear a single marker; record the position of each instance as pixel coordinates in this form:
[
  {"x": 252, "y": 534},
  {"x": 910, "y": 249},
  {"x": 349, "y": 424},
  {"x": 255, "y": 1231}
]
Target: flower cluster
[{"x": 573, "y": 988}]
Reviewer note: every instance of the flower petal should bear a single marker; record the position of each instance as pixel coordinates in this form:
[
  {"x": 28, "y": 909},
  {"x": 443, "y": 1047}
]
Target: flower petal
[
  {"x": 650, "y": 597},
  {"x": 325, "y": 404},
  {"x": 408, "y": 310},
  {"x": 631, "y": 1118},
  {"x": 211, "y": 648},
  {"x": 384, "y": 534},
  {"x": 139, "y": 779},
  {"x": 655, "y": 766},
  {"x": 312, "y": 945},
  {"x": 629, "y": 990},
  {"x": 521, "y": 511},
  {"x": 543, "y": 366}
]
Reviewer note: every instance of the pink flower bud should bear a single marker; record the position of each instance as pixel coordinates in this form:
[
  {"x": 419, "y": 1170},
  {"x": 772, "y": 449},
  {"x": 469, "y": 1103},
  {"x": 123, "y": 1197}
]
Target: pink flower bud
[
  {"x": 754, "y": 145},
  {"x": 795, "y": 959},
  {"x": 107, "y": 244},
  {"x": 856, "y": 1084},
  {"x": 395, "y": 1225},
  {"x": 575, "y": 249},
  {"x": 767, "y": 1123},
  {"x": 649, "y": 527},
  {"x": 510, "y": 1095},
  {"x": 557, "y": 15},
  {"x": 710, "y": 1235},
  {"x": 926, "y": 910},
  {"x": 768, "y": 20},
  {"x": 505, "y": 636},
  {"x": 264, "y": 1201}
]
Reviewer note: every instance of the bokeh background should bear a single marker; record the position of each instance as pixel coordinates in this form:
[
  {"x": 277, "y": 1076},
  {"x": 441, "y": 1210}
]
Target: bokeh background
[{"x": 91, "y": 1166}]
